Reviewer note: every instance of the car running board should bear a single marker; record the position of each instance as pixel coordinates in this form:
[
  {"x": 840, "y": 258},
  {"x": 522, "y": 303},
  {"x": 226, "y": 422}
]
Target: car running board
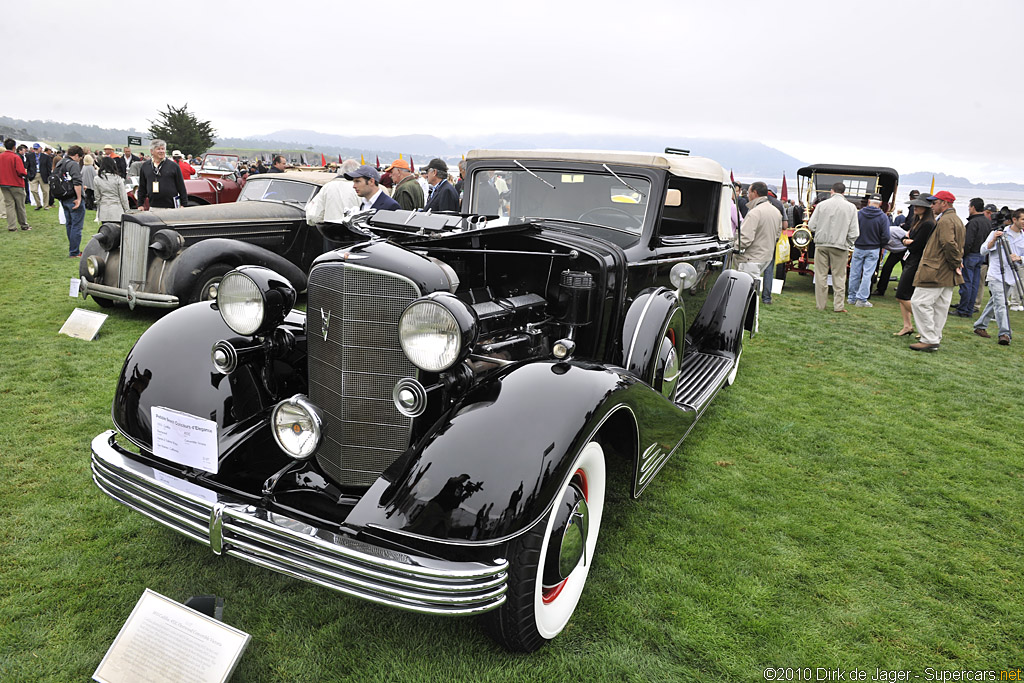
[{"x": 700, "y": 377}]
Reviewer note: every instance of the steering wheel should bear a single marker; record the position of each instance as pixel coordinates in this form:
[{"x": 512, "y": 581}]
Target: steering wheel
[{"x": 611, "y": 210}]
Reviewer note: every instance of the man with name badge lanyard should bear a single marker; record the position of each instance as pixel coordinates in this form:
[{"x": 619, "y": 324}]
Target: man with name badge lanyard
[{"x": 160, "y": 180}]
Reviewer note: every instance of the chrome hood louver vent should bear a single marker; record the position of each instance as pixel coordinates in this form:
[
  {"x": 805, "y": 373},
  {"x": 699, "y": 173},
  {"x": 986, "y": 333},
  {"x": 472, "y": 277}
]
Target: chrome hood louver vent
[{"x": 355, "y": 361}]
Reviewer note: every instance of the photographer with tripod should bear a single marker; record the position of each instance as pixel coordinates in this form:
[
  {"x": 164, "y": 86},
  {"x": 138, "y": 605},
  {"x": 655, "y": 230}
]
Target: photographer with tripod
[{"x": 1006, "y": 252}]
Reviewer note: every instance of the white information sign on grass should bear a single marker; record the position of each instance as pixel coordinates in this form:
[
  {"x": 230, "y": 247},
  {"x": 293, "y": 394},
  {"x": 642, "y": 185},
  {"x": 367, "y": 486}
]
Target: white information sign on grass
[
  {"x": 76, "y": 285},
  {"x": 83, "y": 324},
  {"x": 164, "y": 641},
  {"x": 185, "y": 439}
]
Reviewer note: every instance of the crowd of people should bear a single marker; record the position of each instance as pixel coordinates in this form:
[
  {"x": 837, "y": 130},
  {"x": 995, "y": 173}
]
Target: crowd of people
[{"x": 939, "y": 253}]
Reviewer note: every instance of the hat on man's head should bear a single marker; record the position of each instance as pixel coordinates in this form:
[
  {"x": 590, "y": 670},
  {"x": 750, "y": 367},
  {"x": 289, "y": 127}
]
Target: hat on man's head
[
  {"x": 438, "y": 165},
  {"x": 874, "y": 197},
  {"x": 399, "y": 163},
  {"x": 176, "y": 153},
  {"x": 991, "y": 207},
  {"x": 914, "y": 193},
  {"x": 945, "y": 196},
  {"x": 773, "y": 191},
  {"x": 36, "y": 145},
  {"x": 364, "y": 171},
  {"x": 106, "y": 147},
  {"x": 920, "y": 201}
]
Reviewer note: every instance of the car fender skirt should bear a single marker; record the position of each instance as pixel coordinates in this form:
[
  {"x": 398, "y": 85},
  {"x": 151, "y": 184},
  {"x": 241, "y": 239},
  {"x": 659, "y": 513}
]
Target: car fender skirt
[
  {"x": 191, "y": 263},
  {"x": 718, "y": 328},
  {"x": 170, "y": 367},
  {"x": 492, "y": 467}
]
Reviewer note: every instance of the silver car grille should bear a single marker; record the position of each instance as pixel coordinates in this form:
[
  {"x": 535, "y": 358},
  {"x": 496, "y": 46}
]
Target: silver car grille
[
  {"x": 354, "y": 362},
  {"x": 134, "y": 254}
]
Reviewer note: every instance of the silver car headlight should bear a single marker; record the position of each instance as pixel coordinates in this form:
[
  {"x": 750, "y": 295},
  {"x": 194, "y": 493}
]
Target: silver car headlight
[
  {"x": 437, "y": 331},
  {"x": 298, "y": 426},
  {"x": 254, "y": 300}
]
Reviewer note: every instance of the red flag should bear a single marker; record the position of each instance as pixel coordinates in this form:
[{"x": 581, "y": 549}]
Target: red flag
[
  {"x": 733, "y": 179},
  {"x": 785, "y": 193},
  {"x": 378, "y": 162},
  {"x": 412, "y": 166},
  {"x": 339, "y": 159},
  {"x": 323, "y": 160}
]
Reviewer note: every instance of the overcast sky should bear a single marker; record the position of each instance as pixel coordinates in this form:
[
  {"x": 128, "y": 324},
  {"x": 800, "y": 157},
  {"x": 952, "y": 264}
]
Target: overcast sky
[{"x": 916, "y": 86}]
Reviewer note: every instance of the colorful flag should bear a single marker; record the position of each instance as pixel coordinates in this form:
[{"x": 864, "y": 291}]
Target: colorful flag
[
  {"x": 339, "y": 159},
  {"x": 323, "y": 160},
  {"x": 378, "y": 162},
  {"x": 362, "y": 160},
  {"x": 785, "y": 193},
  {"x": 731, "y": 177},
  {"x": 932, "y": 191},
  {"x": 412, "y": 165}
]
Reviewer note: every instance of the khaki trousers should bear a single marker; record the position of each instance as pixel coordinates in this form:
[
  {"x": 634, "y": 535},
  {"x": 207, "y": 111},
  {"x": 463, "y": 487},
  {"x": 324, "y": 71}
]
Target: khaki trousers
[
  {"x": 14, "y": 198},
  {"x": 830, "y": 260},
  {"x": 931, "y": 308},
  {"x": 40, "y": 189}
]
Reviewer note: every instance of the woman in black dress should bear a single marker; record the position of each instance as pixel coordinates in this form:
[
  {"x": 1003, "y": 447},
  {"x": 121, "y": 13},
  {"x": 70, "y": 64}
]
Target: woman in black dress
[{"x": 922, "y": 224}]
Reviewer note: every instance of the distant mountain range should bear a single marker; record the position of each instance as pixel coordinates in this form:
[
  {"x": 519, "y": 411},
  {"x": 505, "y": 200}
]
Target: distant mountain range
[{"x": 744, "y": 158}]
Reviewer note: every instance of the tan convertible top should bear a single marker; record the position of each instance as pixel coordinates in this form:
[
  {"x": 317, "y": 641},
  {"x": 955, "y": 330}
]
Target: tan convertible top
[
  {"x": 676, "y": 164},
  {"x": 316, "y": 177}
]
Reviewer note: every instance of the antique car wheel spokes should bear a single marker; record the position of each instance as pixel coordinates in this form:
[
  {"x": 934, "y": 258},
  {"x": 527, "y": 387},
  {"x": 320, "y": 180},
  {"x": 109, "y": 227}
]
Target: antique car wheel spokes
[{"x": 554, "y": 605}]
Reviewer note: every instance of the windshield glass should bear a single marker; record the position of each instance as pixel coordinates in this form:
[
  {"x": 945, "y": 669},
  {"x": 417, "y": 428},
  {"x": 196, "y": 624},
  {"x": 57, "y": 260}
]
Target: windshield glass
[
  {"x": 856, "y": 185},
  {"x": 260, "y": 188},
  {"x": 598, "y": 198},
  {"x": 220, "y": 162}
]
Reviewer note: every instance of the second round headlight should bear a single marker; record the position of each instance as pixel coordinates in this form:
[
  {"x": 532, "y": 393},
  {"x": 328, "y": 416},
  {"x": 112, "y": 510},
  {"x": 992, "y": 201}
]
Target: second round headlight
[
  {"x": 240, "y": 302},
  {"x": 297, "y": 426},
  {"x": 437, "y": 331}
]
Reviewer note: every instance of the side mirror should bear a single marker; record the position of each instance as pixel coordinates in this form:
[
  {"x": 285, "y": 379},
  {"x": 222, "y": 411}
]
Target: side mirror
[
  {"x": 683, "y": 276},
  {"x": 673, "y": 197}
]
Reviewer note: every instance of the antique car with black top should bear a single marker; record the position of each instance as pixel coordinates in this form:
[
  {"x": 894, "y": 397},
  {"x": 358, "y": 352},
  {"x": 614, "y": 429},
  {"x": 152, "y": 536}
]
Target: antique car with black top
[
  {"x": 168, "y": 258},
  {"x": 813, "y": 184},
  {"x": 433, "y": 433}
]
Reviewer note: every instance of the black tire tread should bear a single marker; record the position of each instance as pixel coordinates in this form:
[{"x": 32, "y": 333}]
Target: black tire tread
[{"x": 519, "y": 634}]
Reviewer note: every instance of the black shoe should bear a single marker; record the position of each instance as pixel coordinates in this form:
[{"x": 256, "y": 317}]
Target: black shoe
[{"x": 960, "y": 314}]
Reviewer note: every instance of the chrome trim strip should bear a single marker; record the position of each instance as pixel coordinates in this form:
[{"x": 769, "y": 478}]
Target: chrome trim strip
[
  {"x": 679, "y": 259},
  {"x": 640, "y": 323},
  {"x": 294, "y": 548}
]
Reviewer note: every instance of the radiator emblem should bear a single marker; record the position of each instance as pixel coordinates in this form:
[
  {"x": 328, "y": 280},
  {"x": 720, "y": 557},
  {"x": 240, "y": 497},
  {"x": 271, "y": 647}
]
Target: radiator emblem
[{"x": 326, "y": 318}]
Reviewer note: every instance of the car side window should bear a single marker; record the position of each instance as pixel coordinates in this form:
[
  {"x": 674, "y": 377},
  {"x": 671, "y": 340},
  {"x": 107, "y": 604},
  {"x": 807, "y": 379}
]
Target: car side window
[{"x": 695, "y": 211}]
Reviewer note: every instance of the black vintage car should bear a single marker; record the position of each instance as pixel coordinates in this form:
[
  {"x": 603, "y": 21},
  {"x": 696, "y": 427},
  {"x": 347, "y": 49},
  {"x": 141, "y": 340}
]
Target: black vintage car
[
  {"x": 178, "y": 256},
  {"x": 432, "y": 434}
]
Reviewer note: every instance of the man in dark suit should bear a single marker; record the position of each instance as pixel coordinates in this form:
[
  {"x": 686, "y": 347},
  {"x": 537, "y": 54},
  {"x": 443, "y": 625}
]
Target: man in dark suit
[
  {"x": 38, "y": 168},
  {"x": 365, "y": 181},
  {"x": 443, "y": 195},
  {"x": 124, "y": 161}
]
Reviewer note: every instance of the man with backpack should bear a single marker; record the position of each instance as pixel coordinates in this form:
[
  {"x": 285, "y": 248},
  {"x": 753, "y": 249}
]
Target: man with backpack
[
  {"x": 66, "y": 185},
  {"x": 12, "y": 184}
]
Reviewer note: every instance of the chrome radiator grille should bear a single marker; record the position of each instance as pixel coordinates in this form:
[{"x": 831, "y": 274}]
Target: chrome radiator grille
[
  {"x": 134, "y": 254},
  {"x": 354, "y": 362}
]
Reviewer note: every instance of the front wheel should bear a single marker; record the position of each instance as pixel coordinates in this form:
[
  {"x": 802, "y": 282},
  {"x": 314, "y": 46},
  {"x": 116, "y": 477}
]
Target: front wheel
[
  {"x": 548, "y": 565},
  {"x": 208, "y": 282}
]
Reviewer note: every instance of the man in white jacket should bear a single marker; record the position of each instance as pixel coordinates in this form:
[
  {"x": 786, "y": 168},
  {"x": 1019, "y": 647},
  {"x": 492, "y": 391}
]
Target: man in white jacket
[
  {"x": 835, "y": 228},
  {"x": 759, "y": 232}
]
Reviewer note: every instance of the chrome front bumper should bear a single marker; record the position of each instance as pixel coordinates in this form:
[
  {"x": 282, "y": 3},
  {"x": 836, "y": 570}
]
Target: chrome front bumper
[
  {"x": 130, "y": 296},
  {"x": 292, "y": 547}
]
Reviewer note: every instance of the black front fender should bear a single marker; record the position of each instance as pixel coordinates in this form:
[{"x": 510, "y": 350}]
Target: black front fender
[
  {"x": 192, "y": 261},
  {"x": 493, "y": 468},
  {"x": 730, "y": 308}
]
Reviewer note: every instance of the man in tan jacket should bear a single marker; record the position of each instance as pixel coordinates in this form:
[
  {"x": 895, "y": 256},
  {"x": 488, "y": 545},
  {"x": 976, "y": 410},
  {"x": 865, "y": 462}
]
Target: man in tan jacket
[
  {"x": 938, "y": 273},
  {"x": 759, "y": 232}
]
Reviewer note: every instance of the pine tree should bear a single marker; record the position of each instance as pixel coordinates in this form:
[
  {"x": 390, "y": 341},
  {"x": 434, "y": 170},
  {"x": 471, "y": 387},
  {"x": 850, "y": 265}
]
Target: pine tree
[{"x": 183, "y": 131}]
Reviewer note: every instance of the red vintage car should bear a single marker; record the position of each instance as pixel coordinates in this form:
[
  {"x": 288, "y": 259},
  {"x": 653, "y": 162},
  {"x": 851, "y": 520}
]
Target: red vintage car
[{"x": 217, "y": 181}]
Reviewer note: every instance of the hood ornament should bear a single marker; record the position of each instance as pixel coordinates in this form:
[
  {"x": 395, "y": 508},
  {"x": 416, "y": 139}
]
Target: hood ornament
[{"x": 326, "y": 318}]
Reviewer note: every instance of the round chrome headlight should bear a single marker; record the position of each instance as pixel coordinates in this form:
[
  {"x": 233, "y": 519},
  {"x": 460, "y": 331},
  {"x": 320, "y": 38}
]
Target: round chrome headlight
[
  {"x": 253, "y": 300},
  {"x": 297, "y": 425},
  {"x": 437, "y": 331},
  {"x": 94, "y": 266},
  {"x": 801, "y": 237}
]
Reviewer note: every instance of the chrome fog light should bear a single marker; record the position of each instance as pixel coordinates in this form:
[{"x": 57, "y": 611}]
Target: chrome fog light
[
  {"x": 410, "y": 397},
  {"x": 94, "y": 266},
  {"x": 563, "y": 348},
  {"x": 683, "y": 276},
  {"x": 297, "y": 426}
]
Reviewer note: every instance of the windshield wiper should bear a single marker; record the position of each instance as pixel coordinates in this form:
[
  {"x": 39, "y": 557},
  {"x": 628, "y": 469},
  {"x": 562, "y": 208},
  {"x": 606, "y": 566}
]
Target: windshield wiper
[
  {"x": 516, "y": 162},
  {"x": 605, "y": 166}
]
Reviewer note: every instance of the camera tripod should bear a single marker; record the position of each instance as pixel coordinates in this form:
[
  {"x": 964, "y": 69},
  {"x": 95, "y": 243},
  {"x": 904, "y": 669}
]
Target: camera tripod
[{"x": 1003, "y": 252}]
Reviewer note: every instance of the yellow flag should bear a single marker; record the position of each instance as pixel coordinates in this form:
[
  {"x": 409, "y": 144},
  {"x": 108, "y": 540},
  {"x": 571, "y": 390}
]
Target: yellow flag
[
  {"x": 362, "y": 161},
  {"x": 400, "y": 156},
  {"x": 932, "y": 191}
]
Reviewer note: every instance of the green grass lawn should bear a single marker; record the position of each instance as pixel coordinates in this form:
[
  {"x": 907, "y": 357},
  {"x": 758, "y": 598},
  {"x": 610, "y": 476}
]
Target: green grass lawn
[{"x": 847, "y": 503}]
